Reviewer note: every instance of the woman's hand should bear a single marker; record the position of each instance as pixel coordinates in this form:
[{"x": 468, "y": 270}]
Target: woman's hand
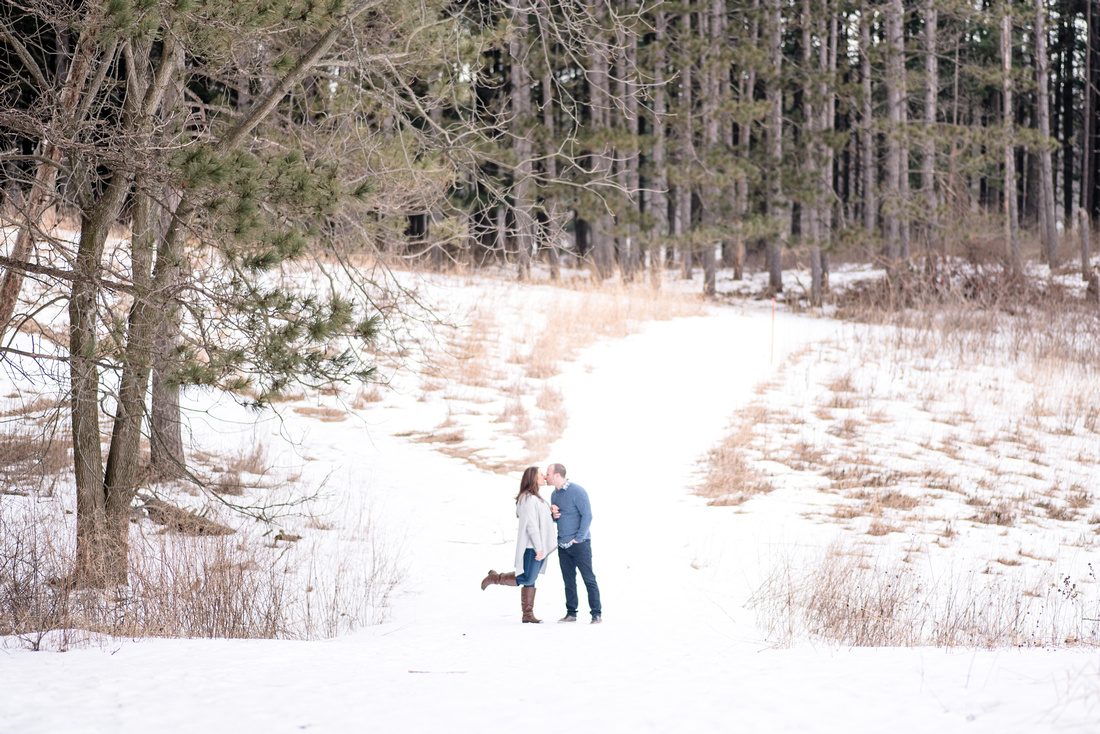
[{"x": 539, "y": 555}]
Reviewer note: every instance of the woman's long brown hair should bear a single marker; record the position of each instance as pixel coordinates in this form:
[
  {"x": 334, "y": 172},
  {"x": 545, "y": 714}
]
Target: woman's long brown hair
[{"x": 529, "y": 484}]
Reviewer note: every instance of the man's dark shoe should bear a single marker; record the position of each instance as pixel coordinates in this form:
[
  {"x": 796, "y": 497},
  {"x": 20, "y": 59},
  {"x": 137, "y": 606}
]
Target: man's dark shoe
[
  {"x": 596, "y": 619},
  {"x": 568, "y": 618}
]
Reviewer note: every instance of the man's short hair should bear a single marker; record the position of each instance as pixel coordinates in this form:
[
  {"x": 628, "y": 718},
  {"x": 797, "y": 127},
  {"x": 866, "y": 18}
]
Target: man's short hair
[{"x": 558, "y": 469}]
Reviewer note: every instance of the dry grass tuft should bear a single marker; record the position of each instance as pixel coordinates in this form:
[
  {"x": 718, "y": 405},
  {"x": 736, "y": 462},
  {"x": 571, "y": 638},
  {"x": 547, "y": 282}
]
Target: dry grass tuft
[
  {"x": 806, "y": 455},
  {"x": 253, "y": 460},
  {"x": 364, "y": 397},
  {"x": 730, "y": 480},
  {"x": 1079, "y": 499},
  {"x": 446, "y": 437},
  {"x": 183, "y": 585},
  {"x": 179, "y": 587},
  {"x": 247, "y": 462},
  {"x": 831, "y": 603},
  {"x": 844, "y": 383},
  {"x": 1057, "y": 512},
  {"x": 325, "y": 415},
  {"x": 1000, "y": 515},
  {"x": 38, "y": 405},
  {"x": 32, "y": 458},
  {"x": 879, "y": 528},
  {"x": 896, "y": 500},
  {"x": 180, "y": 521},
  {"x": 851, "y": 598},
  {"x": 283, "y": 397},
  {"x": 543, "y": 360}
]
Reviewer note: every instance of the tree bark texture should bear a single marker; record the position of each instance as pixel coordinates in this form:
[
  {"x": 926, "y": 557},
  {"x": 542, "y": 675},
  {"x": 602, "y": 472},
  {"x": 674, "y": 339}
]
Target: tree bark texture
[
  {"x": 867, "y": 134},
  {"x": 895, "y": 62},
  {"x": 1046, "y": 171},
  {"x": 928, "y": 154},
  {"x": 601, "y": 244},
  {"x": 523, "y": 206},
  {"x": 657, "y": 195},
  {"x": 774, "y": 94},
  {"x": 1012, "y": 240}
]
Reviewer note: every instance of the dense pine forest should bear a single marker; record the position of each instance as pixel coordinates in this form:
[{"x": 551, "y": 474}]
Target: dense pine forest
[
  {"x": 163, "y": 159},
  {"x": 619, "y": 130}
]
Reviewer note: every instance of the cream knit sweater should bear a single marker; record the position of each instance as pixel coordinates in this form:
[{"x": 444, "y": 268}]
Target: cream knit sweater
[{"x": 536, "y": 529}]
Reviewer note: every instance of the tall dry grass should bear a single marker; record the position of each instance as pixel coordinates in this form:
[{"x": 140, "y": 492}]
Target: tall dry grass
[
  {"x": 182, "y": 582},
  {"x": 586, "y": 312},
  {"x": 179, "y": 587},
  {"x": 730, "y": 479},
  {"x": 501, "y": 361},
  {"x": 34, "y": 449},
  {"x": 349, "y": 590},
  {"x": 963, "y": 406},
  {"x": 185, "y": 586},
  {"x": 1004, "y": 469},
  {"x": 965, "y": 308},
  {"x": 853, "y": 597}
]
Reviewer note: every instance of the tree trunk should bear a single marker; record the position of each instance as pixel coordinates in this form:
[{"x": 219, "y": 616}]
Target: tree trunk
[
  {"x": 166, "y": 453},
  {"x": 904, "y": 202},
  {"x": 148, "y": 312},
  {"x": 1046, "y": 171},
  {"x": 870, "y": 204},
  {"x": 1067, "y": 41},
  {"x": 1086, "y": 256},
  {"x": 776, "y": 206},
  {"x": 817, "y": 276},
  {"x": 825, "y": 121},
  {"x": 1012, "y": 241},
  {"x": 809, "y": 204},
  {"x": 600, "y": 238},
  {"x": 686, "y": 147},
  {"x": 744, "y": 142},
  {"x": 521, "y": 144},
  {"x": 554, "y": 226},
  {"x": 629, "y": 257},
  {"x": 895, "y": 68},
  {"x": 657, "y": 199},
  {"x": 120, "y": 475},
  {"x": 812, "y": 101},
  {"x": 928, "y": 155},
  {"x": 100, "y": 555},
  {"x": 714, "y": 91}
]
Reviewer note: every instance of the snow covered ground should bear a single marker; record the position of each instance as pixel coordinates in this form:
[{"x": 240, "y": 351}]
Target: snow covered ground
[{"x": 678, "y": 649}]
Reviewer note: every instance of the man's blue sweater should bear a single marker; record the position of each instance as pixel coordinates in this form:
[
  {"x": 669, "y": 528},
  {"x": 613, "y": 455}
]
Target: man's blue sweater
[{"x": 576, "y": 513}]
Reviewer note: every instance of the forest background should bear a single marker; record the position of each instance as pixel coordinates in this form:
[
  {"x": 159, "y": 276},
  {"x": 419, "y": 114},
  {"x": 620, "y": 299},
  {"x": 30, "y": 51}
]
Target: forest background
[{"x": 199, "y": 149}]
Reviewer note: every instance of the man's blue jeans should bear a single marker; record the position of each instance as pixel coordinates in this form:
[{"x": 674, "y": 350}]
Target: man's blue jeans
[
  {"x": 578, "y": 557},
  {"x": 531, "y": 568}
]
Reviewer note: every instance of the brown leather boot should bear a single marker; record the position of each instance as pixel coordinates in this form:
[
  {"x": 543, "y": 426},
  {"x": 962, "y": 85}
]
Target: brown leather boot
[
  {"x": 504, "y": 579},
  {"x": 527, "y": 601}
]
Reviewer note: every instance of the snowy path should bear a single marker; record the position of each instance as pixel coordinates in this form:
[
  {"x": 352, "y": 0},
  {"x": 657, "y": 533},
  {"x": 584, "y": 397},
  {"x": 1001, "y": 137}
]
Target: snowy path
[{"x": 676, "y": 652}]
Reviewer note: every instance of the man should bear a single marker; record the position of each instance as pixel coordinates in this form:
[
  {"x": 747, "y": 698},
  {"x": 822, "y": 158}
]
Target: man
[{"x": 571, "y": 510}]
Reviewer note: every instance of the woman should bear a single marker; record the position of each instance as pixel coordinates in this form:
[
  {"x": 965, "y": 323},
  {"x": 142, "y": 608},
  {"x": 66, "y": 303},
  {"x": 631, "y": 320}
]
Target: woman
[{"x": 534, "y": 542}]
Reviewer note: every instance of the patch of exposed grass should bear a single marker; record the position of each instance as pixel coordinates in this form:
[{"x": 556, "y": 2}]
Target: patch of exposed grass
[
  {"x": 323, "y": 414},
  {"x": 855, "y": 598},
  {"x": 730, "y": 480}
]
